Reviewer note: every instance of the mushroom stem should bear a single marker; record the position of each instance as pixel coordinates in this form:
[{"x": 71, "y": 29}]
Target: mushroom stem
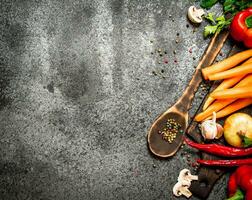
[
  {"x": 181, "y": 188},
  {"x": 194, "y": 177},
  {"x": 186, "y": 175},
  {"x": 186, "y": 192}
]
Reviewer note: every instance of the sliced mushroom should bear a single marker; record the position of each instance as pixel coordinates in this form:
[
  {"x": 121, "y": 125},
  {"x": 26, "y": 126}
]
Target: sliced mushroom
[
  {"x": 195, "y": 15},
  {"x": 181, "y": 188},
  {"x": 185, "y": 175}
]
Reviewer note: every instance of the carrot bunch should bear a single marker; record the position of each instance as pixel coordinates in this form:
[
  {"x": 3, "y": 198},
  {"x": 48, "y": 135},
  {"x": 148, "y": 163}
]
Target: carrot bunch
[{"x": 234, "y": 92}]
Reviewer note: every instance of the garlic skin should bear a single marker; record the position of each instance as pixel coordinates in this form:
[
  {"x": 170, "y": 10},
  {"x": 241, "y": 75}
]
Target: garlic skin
[
  {"x": 210, "y": 129},
  {"x": 220, "y": 131}
]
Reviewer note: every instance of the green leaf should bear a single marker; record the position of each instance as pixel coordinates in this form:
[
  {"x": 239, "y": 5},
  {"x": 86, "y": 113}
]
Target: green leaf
[
  {"x": 210, "y": 30},
  {"x": 229, "y": 2},
  {"x": 208, "y": 3},
  {"x": 221, "y": 18},
  {"x": 210, "y": 17},
  {"x": 248, "y": 21}
]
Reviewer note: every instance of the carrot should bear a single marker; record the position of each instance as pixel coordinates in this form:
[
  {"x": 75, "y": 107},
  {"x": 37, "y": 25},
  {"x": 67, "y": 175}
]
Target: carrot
[
  {"x": 221, "y": 103},
  {"x": 227, "y": 83},
  {"x": 237, "y": 105},
  {"x": 242, "y": 92},
  {"x": 237, "y": 71},
  {"x": 226, "y": 64},
  {"x": 216, "y": 106}
]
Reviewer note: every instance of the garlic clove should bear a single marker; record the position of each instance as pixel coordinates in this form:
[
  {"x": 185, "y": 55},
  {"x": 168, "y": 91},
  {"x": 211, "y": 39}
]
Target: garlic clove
[
  {"x": 220, "y": 131},
  {"x": 208, "y": 129}
]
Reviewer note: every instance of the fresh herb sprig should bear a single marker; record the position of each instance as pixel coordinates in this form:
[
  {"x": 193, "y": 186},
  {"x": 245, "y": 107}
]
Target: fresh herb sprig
[
  {"x": 230, "y": 7},
  {"x": 217, "y": 24}
]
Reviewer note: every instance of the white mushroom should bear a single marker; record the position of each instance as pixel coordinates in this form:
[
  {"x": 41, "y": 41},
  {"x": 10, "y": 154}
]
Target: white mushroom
[
  {"x": 185, "y": 175},
  {"x": 195, "y": 15},
  {"x": 181, "y": 188}
]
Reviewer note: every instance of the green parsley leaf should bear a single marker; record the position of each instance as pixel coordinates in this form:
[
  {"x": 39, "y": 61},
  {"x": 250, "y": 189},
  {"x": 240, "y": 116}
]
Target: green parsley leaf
[
  {"x": 220, "y": 23},
  {"x": 209, "y": 30},
  {"x": 220, "y": 18},
  {"x": 210, "y": 17},
  {"x": 208, "y": 3},
  {"x": 248, "y": 22},
  {"x": 234, "y": 6}
]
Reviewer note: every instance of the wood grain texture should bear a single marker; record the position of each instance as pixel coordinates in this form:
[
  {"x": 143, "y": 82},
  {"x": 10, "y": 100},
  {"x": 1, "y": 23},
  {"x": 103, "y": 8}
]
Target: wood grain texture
[
  {"x": 207, "y": 176},
  {"x": 179, "y": 111},
  {"x": 214, "y": 47}
]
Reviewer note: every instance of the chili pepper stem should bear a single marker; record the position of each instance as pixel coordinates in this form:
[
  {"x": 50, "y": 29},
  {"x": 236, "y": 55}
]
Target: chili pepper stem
[{"x": 237, "y": 196}]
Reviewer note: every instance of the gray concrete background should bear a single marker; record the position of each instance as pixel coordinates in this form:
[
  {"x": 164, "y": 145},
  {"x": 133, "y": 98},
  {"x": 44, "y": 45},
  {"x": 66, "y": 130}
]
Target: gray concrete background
[{"x": 77, "y": 96}]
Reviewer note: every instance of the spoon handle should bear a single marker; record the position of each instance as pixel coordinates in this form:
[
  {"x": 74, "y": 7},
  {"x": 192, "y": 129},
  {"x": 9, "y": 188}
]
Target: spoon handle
[{"x": 214, "y": 47}]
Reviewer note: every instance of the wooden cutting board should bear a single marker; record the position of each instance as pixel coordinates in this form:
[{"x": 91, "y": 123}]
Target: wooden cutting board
[{"x": 207, "y": 176}]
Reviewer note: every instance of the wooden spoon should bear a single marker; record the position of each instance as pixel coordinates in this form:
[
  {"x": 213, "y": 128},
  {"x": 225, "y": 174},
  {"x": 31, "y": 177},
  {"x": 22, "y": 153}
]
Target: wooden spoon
[{"x": 179, "y": 111}]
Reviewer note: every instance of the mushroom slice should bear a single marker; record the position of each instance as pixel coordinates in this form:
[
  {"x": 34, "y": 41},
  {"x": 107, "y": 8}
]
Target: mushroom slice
[
  {"x": 181, "y": 188},
  {"x": 195, "y": 15},
  {"x": 186, "y": 175}
]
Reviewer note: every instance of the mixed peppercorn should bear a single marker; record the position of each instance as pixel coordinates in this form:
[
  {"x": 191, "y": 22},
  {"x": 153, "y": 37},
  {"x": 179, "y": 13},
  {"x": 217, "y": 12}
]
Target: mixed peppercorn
[{"x": 170, "y": 131}]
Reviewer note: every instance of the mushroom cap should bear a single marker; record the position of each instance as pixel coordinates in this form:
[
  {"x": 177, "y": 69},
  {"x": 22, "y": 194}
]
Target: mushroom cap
[
  {"x": 195, "y": 15},
  {"x": 182, "y": 174},
  {"x": 181, "y": 188},
  {"x": 185, "y": 175}
]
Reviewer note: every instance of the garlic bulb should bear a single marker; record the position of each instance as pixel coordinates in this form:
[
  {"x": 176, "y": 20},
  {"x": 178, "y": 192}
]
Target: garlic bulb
[{"x": 210, "y": 129}]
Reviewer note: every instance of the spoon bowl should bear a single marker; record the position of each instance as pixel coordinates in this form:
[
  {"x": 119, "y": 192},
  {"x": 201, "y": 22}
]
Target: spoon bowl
[
  {"x": 179, "y": 111},
  {"x": 157, "y": 144}
]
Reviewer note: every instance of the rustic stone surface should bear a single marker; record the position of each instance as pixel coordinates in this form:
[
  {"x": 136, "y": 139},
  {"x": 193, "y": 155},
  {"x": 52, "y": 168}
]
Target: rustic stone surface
[{"x": 80, "y": 84}]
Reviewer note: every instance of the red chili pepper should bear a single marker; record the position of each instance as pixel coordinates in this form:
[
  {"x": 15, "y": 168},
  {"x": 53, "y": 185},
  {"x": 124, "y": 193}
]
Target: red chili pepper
[
  {"x": 226, "y": 163},
  {"x": 239, "y": 29},
  {"x": 220, "y": 150},
  {"x": 241, "y": 178}
]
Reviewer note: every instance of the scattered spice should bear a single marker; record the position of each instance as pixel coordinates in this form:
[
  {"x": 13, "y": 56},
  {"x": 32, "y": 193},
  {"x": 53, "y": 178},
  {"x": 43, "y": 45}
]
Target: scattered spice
[
  {"x": 162, "y": 71},
  {"x": 177, "y": 34},
  {"x": 175, "y": 61},
  {"x": 170, "y": 131},
  {"x": 194, "y": 58},
  {"x": 190, "y": 50},
  {"x": 174, "y": 51},
  {"x": 187, "y": 25},
  {"x": 154, "y": 73},
  {"x": 165, "y": 61}
]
